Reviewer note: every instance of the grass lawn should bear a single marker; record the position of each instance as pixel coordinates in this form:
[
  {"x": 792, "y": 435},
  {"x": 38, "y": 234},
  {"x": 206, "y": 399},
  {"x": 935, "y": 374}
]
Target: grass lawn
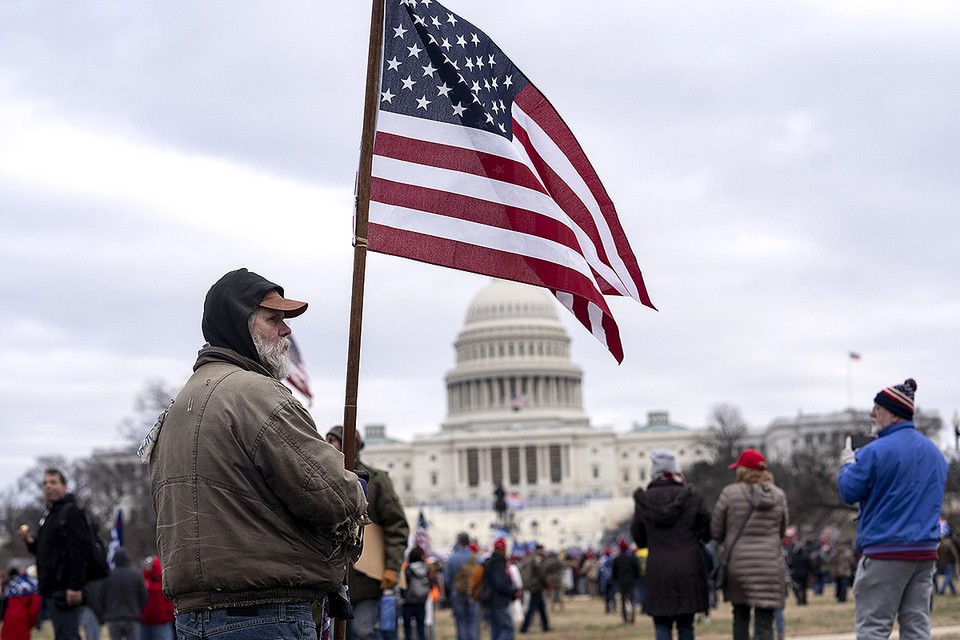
[{"x": 582, "y": 618}]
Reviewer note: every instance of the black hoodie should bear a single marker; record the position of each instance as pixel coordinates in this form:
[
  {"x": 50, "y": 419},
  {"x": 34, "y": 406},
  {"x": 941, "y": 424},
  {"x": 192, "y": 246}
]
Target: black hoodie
[{"x": 227, "y": 309}]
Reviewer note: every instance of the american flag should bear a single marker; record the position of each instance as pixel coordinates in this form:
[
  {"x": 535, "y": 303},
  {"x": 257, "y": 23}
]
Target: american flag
[
  {"x": 854, "y": 355},
  {"x": 297, "y": 375},
  {"x": 473, "y": 169},
  {"x": 421, "y": 535},
  {"x": 116, "y": 537}
]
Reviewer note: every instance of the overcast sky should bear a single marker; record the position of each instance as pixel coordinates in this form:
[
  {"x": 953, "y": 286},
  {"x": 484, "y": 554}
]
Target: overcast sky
[{"x": 786, "y": 172}]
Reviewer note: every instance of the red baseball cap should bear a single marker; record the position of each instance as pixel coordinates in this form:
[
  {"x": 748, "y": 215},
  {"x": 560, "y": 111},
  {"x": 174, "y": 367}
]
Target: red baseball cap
[
  {"x": 751, "y": 459},
  {"x": 500, "y": 543}
]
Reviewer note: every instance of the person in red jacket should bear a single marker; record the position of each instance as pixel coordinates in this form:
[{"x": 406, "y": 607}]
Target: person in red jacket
[
  {"x": 22, "y": 610},
  {"x": 156, "y": 620}
]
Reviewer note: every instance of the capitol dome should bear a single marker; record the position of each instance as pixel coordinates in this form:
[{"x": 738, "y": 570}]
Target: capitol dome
[
  {"x": 513, "y": 364},
  {"x": 510, "y": 301}
]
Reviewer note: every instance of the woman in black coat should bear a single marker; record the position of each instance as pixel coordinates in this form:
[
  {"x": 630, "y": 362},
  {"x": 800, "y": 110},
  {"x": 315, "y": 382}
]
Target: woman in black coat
[{"x": 672, "y": 522}]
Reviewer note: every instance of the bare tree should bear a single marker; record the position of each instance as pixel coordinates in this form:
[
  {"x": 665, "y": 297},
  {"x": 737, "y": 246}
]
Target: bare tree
[
  {"x": 122, "y": 481},
  {"x": 726, "y": 430},
  {"x": 809, "y": 478},
  {"x": 709, "y": 479},
  {"x": 929, "y": 425},
  {"x": 101, "y": 483},
  {"x": 149, "y": 403}
]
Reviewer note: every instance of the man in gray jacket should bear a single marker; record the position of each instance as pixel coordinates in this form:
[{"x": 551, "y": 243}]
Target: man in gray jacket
[
  {"x": 256, "y": 514},
  {"x": 124, "y": 595}
]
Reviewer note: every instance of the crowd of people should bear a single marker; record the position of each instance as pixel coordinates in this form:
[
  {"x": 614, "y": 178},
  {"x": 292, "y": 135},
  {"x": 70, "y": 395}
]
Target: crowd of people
[
  {"x": 129, "y": 601},
  {"x": 742, "y": 547},
  {"x": 258, "y": 514}
]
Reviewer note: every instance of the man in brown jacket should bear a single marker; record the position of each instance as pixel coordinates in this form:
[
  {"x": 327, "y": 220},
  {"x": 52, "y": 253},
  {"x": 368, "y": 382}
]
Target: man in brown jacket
[
  {"x": 386, "y": 511},
  {"x": 255, "y": 512}
]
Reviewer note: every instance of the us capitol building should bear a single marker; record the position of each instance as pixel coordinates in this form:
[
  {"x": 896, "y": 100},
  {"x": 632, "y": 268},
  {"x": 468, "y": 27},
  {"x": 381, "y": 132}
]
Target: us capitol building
[{"x": 515, "y": 417}]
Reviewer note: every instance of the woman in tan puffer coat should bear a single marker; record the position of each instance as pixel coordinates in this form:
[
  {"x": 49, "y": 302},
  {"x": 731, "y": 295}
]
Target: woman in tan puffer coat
[{"x": 755, "y": 573}]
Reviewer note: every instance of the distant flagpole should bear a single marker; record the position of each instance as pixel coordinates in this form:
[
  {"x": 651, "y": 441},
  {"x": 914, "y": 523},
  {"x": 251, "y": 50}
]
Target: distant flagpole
[{"x": 852, "y": 356}]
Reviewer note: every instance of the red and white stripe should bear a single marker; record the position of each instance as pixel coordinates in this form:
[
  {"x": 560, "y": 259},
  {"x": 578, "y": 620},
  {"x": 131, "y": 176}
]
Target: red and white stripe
[
  {"x": 297, "y": 374},
  {"x": 531, "y": 210}
]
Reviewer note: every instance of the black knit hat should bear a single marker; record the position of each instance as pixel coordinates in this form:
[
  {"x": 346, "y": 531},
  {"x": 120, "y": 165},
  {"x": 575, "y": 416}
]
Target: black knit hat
[
  {"x": 229, "y": 303},
  {"x": 898, "y": 399}
]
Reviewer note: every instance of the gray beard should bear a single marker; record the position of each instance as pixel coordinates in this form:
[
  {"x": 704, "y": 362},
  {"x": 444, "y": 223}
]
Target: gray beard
[{"x": 273, "y": 356}]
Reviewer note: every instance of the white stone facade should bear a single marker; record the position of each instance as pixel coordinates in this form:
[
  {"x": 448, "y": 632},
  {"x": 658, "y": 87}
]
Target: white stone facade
[{"x": 516, "y": 417}]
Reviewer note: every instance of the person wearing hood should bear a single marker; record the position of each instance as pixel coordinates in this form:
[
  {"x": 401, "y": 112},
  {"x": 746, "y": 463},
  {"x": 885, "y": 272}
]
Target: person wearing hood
[
  {"x": 22, "y": 609},
  {"x": 256, "y": 515},
  {"x": 749, "y": 521},
  {"x": 671, "y": 521},
  {"x": 156, "y": 619},
  {"x": 418, "y": 582},
  {"x": 124, "y": 596}
]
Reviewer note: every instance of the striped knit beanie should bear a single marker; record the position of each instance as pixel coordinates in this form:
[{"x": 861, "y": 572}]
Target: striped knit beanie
[{"x": 898, "y": 399}]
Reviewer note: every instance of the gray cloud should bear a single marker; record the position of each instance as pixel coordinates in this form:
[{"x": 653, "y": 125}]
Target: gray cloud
[{"x": 785, "y": 173}]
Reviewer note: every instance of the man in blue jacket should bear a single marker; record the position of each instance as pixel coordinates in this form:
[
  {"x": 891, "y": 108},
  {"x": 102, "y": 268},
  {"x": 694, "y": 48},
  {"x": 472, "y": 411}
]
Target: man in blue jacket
[{"x": 899, "y": 480}]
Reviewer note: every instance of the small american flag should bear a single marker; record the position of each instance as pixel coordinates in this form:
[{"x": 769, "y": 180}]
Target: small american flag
[
  {"x": 297, "y": 375},
  {"x": 421, "y": 535},
  {"x": 473, "y": 169},
  {"x": 854, "y": 355},
  {"x": 116, "y": 537}
]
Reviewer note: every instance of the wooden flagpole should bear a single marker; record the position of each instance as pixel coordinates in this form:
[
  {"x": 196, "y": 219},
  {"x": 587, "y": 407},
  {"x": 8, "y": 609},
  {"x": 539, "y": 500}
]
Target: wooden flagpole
[{"x": 361, "y": 213}]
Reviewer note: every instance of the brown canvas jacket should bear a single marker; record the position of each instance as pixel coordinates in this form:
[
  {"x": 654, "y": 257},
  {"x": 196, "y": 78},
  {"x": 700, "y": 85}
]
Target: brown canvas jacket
[{"x": 250, "y": 499}]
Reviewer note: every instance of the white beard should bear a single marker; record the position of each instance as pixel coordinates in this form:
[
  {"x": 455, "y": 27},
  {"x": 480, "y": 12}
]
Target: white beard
[{"x": 273, "y": 355}]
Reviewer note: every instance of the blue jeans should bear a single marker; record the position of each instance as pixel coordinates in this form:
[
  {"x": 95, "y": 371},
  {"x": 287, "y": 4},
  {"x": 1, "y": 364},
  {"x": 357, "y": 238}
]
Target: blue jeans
[
  {"x": 283, "y": 621},
  {"x": 89, "y": 623},
  {"x": 947, "y": 580},
  {"x": 156, "y": 631},
  {"x": 501, "y": 623},
  {"x": 639, "y": 592},
  {"x": 366, "y": 620},
  {"x": 465, "y": 616}
]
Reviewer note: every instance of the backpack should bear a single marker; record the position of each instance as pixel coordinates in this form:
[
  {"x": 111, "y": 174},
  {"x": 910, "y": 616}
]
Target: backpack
[
  {"x": 478, "y": 584},
  {"x": 461, "y": 580},
  {"x": 97, "y": 567},
  {"x": 418, "y": 587}
]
